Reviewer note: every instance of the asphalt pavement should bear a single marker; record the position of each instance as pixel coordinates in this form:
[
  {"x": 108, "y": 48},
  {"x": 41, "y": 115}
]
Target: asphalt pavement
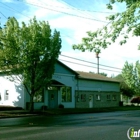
[{"x": 95, "y": 126}]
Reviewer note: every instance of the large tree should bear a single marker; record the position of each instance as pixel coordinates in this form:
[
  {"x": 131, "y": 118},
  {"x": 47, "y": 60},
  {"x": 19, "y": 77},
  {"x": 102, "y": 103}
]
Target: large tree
[
  {"x": 119, "y": 25},
  {"x": 131, "y": 75},
  {"x": 126, "y": 90},
  {"x": 28, "y": 53}
]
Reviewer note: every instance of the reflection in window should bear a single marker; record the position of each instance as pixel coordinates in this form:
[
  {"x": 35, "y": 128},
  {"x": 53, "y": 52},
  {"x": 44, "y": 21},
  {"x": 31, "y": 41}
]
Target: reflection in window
[
  {"x": 114, "y": 97},
  {"x": 66, "y": 94},
  {"x": 52, "y": 96},
  {"x": 98, "y": 97},
  {"x": 108, "y": 97},
  {"x": 39, "y": 96},
  {"x": 83, "y": 97}
]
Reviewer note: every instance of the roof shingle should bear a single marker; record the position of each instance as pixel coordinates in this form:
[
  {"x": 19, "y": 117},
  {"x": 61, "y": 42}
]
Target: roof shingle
[{"x": 92, "y": 76}]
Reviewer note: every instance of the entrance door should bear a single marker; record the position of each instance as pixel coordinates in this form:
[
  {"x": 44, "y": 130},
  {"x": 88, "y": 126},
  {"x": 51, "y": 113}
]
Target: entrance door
[
  {"x": 53, "y": 98},
  {"x": 90, "y": 101}
]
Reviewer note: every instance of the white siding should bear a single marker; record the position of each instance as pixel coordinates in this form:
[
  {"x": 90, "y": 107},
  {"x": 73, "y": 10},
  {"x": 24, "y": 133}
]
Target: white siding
[{"x": 15, "y": 95}]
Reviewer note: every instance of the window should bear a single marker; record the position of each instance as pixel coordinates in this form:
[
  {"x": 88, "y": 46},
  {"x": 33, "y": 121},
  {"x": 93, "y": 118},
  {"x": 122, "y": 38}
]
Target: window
[
  {"x": 66, "y": 94},
  {"x": 114, "y": 97},
  {"x": 98, "y": 97},
  {"x": 39, "y": 96},
  {"x": 6, "y": 97},
  {"x": 83, "y": 97},
  {"x": 108, "y": 97}
]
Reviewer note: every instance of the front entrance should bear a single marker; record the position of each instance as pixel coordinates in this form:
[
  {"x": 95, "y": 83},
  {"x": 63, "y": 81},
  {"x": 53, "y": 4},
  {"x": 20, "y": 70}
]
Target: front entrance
[
  {"x": 53, "y": 98},
  {"x": 90, "y": 101}
]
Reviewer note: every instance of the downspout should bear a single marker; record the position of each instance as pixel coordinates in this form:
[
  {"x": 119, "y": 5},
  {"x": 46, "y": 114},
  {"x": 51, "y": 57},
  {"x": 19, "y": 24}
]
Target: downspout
[{"x": 76, "y": 96}]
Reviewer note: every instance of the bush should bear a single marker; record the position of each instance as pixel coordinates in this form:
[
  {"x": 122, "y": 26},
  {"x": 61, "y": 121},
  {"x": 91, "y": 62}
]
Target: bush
[
  {"x": 136, "y": 100},
  {"x": 44, "y": 107},
  {"x": 61, "y": 106},
  {"x": 8, "y": 108},
  {"x": 121, "y": 103}
]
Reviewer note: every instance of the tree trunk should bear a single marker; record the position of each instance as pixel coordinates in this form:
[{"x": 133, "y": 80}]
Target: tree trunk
[{"x": 31, "y": 107}]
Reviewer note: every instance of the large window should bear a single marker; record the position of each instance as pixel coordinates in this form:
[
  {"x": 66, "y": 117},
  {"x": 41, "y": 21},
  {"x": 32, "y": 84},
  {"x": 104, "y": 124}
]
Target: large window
[
  {"x": 66, "y": 94},
  {"x": 39, "y": 96}
]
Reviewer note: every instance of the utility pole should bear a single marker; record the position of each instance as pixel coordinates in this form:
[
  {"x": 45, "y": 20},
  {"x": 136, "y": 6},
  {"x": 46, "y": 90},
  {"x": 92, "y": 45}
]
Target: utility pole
[
  {"x": 97, "y": 56},
  {"x": 97, "y": 51}
]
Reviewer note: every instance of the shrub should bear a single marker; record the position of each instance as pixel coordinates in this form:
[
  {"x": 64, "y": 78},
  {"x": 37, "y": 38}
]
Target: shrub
[
  {"x": 61, "y": 106},
  {"x": 136, "y": 100},
  {"x": 44, "y": 107}
]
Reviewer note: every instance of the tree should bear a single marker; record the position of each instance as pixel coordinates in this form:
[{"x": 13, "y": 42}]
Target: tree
[
  {"x": 131, "y": 75},
  {"x": 119, "y": 25},
  {"x": 28, "y": 53},
  {"x": 101, "y": 73},
  {"x": 124, "y": 88}
]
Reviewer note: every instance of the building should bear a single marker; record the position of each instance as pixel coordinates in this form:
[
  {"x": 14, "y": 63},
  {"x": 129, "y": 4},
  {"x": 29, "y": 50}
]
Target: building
[{"x": 73, "y": 89}]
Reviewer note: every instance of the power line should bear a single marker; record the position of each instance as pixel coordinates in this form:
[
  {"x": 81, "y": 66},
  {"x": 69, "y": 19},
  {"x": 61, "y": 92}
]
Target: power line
[
  {"x": 103, "y": 12},
  {"x": 14, "y": 10},
  {"x": 64, "y": 12},
  {"x": 87, "y": 65},
  {"x": 90, "y": 62},
  {"x": 3, "y": 15}
]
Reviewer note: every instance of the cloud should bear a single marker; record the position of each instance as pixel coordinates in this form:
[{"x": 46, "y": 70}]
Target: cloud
[{"x": 68, "y": 20}]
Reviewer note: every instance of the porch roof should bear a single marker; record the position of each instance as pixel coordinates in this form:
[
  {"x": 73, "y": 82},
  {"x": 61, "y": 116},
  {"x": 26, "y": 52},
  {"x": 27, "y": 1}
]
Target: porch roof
[{"x": 56, "y": 83}]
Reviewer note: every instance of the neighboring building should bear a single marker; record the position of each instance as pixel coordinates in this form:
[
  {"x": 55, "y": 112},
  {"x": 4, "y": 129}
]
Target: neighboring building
[{"x": 70, "y": 88}]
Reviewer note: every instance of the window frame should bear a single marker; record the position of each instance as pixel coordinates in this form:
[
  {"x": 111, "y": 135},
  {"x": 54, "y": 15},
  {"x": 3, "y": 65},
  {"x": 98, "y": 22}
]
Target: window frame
[
  {"x": 114, "y": 97},
  {"x": 108, "y": 97},
  {"x": 6, "y": 95},
  {"x": 66, "y": 94},
  {"x": 83, "y": 97},
  {"x": 98, "y": 97},
  {"x": 42, "y": 94}
]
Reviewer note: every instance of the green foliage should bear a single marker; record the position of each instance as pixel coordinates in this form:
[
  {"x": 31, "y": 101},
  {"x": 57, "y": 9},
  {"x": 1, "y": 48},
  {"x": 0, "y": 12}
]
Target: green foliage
[
  {"x": 131, "y": 75},
  {"x": 104, "y": 74},
  {"x": 124, "y": 88},
  {"x": 30, "y": 52},
  {"x": 119, "y": 25}
]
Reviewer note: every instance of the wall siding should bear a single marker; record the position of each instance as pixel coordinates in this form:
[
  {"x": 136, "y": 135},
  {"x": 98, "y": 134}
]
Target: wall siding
[
  {"x": 15, "y": 90},
  {"x": 93, "y": 85},
  {"x": 103, "y": 102}
]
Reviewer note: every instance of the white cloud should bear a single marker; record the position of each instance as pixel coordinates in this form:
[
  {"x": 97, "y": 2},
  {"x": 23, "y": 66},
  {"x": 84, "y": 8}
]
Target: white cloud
[{"x": 73, "y": 28}]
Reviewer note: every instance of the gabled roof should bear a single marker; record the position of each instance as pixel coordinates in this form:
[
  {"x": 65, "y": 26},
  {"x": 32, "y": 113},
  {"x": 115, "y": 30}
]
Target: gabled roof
[
  {"x": 68, "y": 68},
  {"x": 92, "y": 76}
]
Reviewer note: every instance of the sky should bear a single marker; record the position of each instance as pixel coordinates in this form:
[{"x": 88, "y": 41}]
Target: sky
[{"x": 73, "y": 18}]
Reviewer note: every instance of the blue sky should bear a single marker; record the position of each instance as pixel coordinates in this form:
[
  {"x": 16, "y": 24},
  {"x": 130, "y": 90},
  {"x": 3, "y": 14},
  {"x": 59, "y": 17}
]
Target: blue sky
[{"x": 73, "y": 18}]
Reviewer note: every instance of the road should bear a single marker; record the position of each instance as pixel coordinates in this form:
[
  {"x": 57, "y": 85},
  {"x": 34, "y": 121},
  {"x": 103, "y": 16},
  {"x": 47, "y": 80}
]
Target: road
[{"x": 92, "y": 126}]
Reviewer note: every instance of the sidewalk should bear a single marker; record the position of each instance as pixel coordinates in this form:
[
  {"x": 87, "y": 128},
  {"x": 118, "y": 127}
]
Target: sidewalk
[{"x": 48, "y": 112}]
